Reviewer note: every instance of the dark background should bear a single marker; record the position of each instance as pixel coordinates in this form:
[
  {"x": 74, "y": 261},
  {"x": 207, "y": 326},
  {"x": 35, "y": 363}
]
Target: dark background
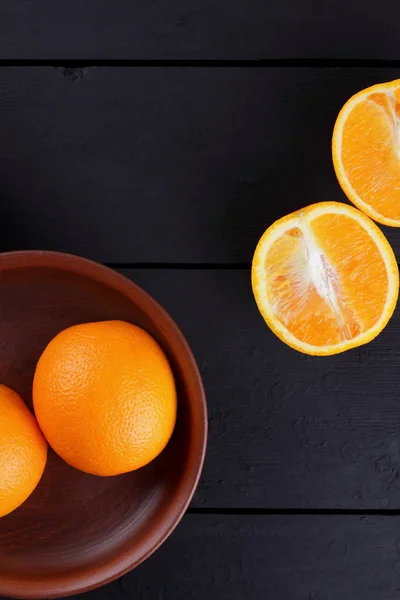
[{"x": 162, "y": 138}]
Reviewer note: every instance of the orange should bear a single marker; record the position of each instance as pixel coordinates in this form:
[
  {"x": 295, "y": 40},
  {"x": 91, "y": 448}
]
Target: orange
[
  {"x": 23, "y": 451},
  {"x": 325, "y": 278},
  {"x": 105, "y": 397},
  {"x": 366, "y": 151}
]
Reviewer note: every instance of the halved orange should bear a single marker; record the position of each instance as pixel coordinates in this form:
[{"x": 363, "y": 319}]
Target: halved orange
[
  {"x": 325, "y": 278},
  {"x": 366, "y": 151}
]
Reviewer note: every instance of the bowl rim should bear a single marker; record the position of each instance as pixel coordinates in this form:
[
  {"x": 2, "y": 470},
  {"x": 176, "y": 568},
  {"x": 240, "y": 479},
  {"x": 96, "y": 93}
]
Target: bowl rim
[{"x": 57, "y": 586}]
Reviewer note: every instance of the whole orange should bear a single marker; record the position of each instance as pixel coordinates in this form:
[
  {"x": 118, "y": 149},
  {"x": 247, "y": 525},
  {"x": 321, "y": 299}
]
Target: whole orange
[
  {"x": 105, "y": 397},
  {"x": 23, "y": 451}
]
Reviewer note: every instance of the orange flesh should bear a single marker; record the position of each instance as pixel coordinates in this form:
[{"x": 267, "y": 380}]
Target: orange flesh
[
  {"x": 371, "y": 151},
  {"x": 326, "y": 280}
]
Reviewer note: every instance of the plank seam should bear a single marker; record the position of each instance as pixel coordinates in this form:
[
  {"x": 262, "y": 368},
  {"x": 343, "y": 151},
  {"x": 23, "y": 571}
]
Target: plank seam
[
  {"x": 294, "y": 511},
  {"x": 179, "y": 265},
  {"x": 261, "y": 62}
]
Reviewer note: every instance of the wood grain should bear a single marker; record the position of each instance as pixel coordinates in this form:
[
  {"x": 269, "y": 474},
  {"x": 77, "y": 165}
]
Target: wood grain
[
  {"x": 286, "y": 430},
  {"x": 276, "y": 557},
  {"x": 165, "y": 164},
  {"x": 236, "y": 29}
]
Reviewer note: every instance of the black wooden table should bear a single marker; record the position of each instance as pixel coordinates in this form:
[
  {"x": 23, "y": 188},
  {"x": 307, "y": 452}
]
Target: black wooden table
[{"x": 162, "y": 138}]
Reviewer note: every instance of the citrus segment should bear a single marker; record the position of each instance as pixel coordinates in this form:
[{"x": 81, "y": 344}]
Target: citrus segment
[
  {"x": 366, "y": 151},
  {"x": 325, "y": 278}
]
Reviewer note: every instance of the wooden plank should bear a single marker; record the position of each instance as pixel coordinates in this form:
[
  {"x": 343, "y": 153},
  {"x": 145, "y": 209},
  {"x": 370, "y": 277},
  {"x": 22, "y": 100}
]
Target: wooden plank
[
  {"x": 165, "y": 164},
  {"x": 286, "y": 430},
  {"x": 274, "y": 558},
  {"x": 233, "y": 29}
]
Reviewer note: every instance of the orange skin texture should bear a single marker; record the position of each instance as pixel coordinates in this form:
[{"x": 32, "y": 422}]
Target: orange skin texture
[
  {"x": 105, "y": 397},
  {"x": 23, "y": 451}
]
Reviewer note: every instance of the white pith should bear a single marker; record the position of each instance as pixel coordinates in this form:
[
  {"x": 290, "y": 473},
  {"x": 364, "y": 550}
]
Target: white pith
[
  {"x": 364, "y": 95},
  {"x": 322, "y": 276}
]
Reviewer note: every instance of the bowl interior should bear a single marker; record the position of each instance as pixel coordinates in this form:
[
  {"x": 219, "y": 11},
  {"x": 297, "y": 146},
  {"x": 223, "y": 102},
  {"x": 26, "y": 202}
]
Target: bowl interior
[{"x": 77, "y": 531}]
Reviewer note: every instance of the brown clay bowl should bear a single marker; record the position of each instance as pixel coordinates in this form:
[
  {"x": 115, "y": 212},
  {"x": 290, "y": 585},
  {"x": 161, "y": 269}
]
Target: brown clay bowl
[{"x": 77, "y": 531}]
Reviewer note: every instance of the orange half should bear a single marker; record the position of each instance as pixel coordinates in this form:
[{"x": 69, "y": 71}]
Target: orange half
[
  {"x": 366, "y": 151},
  {"x": 325, "y": 279}
]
